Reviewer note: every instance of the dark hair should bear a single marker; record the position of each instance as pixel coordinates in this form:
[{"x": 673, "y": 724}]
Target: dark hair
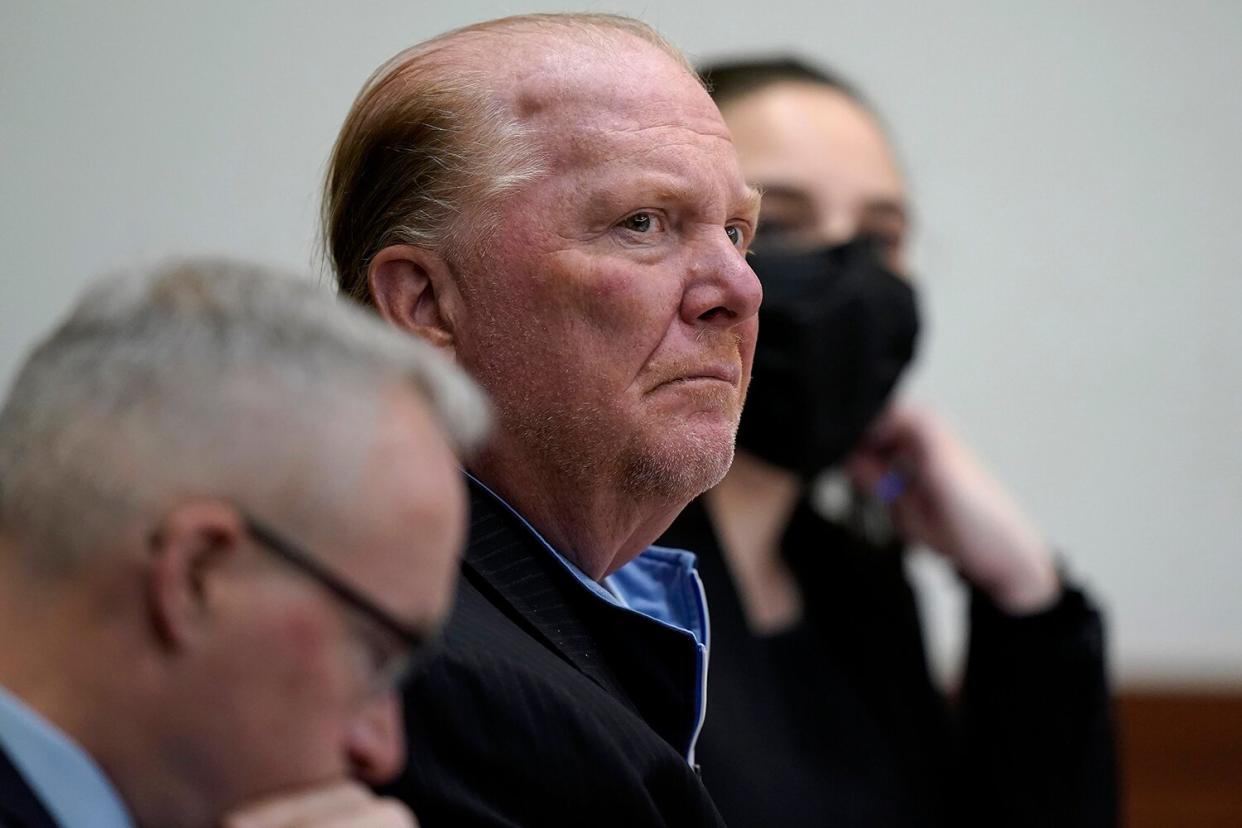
[{"x": 731, "y": 79}]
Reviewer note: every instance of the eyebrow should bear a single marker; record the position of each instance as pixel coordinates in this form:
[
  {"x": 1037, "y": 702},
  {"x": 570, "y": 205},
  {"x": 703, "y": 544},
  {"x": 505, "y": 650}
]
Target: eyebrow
[
  {"x": 783, "y": 191},
  {"x": 888, "y": 208},
  {"x": 751, "y": 199},
  {"x": 672, "y": 188}
]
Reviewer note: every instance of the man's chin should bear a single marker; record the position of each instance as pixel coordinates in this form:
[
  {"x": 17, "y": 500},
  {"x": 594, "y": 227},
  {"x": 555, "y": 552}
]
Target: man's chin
[{"x": 683, "y": 466}]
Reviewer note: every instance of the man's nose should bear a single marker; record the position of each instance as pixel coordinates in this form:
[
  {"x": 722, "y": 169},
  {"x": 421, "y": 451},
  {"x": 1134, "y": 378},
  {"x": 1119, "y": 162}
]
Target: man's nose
[
  {"x": 375, "y": 740},
  {"x": 722, "y": 290}
]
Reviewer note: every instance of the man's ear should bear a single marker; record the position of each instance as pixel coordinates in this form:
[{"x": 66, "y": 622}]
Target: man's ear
[
  {"x": 187, "y": 556},
  {"x": 413, "y": 288}
]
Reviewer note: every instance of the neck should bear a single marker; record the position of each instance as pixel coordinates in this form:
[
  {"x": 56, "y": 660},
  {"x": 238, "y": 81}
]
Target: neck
[
  {"x": 595, "y": 524},
  {"x": 750, "y": 510},
  {"x": 41, "y": 661},
  {"x": 73, "y": 664},
  {"x": 751, "y": 506}
]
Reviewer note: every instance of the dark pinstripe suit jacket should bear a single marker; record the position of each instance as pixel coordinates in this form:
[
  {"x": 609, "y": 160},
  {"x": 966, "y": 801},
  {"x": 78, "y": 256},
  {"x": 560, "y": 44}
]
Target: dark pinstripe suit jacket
[
  {"x": 549, "y": 706},
  {"x": 19, "y": 807}
]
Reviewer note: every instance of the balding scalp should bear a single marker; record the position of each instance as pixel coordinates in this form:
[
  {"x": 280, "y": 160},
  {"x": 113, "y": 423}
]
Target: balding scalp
[{"x": 441, "y": 133}]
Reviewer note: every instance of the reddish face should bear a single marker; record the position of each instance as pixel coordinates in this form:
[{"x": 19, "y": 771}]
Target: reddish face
[{"x": 613, "y": 316}]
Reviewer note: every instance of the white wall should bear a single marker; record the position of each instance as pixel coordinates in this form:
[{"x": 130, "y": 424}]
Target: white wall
[{"x": 1075, "y": 167}]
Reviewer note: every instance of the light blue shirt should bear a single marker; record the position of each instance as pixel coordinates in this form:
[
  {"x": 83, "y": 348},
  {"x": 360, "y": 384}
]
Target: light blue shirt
[
  {"x": 67, "y": 781},
  {"x": 661, "y": 584}
]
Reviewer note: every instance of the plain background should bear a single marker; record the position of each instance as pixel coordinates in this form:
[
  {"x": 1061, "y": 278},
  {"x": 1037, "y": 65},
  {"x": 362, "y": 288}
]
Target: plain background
[{"x": 1074, "y": 166}]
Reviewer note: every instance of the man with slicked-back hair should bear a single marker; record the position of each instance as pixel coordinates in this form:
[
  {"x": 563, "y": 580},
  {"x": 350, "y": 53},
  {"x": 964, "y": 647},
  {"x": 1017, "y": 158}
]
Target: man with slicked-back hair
[{"x": 555, "y": 201}]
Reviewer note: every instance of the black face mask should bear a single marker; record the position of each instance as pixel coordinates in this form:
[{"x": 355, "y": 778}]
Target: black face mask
[{"x": 836, "y": 331}]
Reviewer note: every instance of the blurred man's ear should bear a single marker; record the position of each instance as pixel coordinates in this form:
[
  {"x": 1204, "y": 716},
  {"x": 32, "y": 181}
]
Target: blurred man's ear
[
  {"x": 414, "y": 289},
  {"x": 188, "y": 551}
]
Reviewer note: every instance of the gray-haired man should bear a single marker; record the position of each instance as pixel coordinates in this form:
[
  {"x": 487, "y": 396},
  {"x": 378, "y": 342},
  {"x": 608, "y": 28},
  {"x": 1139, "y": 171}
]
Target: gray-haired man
[{"x": 229, "y": 515}]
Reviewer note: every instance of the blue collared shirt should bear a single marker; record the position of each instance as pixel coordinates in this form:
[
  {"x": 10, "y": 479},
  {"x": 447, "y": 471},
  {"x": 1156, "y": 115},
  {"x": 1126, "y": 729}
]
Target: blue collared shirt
[
  {"x": 67, "y": 781},
  {"x": 661, "y": 584}
]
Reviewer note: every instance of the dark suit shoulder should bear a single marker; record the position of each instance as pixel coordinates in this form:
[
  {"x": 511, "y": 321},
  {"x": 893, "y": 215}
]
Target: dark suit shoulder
[
  {"x": 504, "y": 730},
  {"x": 19, "y": 806}
]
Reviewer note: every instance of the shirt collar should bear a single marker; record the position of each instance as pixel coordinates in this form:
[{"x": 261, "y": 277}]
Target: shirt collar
[
  {"x": 660, "y": 583},
  {"x": 67, "y": 781}
]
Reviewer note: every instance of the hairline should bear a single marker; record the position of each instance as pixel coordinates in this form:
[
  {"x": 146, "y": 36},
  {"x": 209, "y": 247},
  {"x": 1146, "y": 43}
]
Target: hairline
[{"x": 475, "y": 220}]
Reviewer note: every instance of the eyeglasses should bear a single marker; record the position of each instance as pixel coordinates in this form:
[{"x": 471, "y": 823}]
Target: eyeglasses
[{"x": 391, "y": 664}]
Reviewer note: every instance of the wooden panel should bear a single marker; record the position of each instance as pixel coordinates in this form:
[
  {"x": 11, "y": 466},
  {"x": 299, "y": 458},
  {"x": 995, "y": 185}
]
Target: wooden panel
[{"x": 1181, "y": 755}]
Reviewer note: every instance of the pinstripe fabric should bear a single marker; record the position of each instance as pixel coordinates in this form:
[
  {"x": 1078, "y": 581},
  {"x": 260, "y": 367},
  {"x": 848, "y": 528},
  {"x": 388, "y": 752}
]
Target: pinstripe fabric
[{"x": 549, "y": 706}]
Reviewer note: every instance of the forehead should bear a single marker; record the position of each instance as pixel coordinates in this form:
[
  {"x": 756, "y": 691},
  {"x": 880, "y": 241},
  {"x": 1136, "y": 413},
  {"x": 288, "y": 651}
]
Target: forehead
[
  {"x": 407, "y": 513},
  {"x": 803, "y": 133},
  {"x": 625, "y": 102}
]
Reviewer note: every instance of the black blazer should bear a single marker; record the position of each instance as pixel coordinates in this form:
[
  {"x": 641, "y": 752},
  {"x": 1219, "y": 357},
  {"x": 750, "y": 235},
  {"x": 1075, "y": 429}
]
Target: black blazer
[
  {"x": 19, "y": 806},
  {"x": 549, "y": 706},
  {"x": 837, "y": 722}
]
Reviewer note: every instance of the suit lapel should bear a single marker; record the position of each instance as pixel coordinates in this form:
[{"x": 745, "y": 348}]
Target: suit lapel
[
  {"x": 507, "y": 561},
  {"x": 647, "y": 666},
  {"x": 19, "y": 807}
]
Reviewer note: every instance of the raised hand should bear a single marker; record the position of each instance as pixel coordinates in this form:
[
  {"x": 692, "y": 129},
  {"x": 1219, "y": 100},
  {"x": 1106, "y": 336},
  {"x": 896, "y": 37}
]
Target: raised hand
[{"x": 942, "y": 496}]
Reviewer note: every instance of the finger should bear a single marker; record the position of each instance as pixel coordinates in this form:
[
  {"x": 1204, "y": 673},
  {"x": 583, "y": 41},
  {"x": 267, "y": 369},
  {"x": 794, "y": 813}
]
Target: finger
[
  {"x": 865, "y": 468},
  {"x": 389, "y": 813},
  {"x": 301, "y": 806},
  {"x": 893, "y": 422},
  {"x": 901, "y": 438},
  {"x": 887, "y": 474},
  {"x": 379, "y": 813}
]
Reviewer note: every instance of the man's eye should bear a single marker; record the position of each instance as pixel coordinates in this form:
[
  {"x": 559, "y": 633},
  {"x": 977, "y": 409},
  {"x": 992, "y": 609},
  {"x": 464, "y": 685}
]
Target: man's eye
[
  {"x": 735, "y": 234},
  {"x": 640, "y": 222}
]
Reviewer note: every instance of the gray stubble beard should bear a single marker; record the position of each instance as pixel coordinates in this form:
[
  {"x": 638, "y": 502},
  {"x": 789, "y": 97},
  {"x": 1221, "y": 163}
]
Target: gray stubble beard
[
  {"x": 640, "y": 470},
  {"x": 659, "y": 476}
]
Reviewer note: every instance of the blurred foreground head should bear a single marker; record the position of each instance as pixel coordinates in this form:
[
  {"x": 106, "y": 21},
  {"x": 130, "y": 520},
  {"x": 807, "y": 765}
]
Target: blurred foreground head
[{"x": 229, "y": 507}]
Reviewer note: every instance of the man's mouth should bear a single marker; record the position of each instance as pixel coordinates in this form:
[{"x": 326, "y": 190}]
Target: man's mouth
[{"x": 730, "y": 374}]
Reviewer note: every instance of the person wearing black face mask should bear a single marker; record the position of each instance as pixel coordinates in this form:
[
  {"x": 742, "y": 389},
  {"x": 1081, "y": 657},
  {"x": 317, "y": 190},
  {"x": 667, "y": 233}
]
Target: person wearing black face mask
[
  {"x": 821, "y": 710},
  {"x": 839, "y": 328}
]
